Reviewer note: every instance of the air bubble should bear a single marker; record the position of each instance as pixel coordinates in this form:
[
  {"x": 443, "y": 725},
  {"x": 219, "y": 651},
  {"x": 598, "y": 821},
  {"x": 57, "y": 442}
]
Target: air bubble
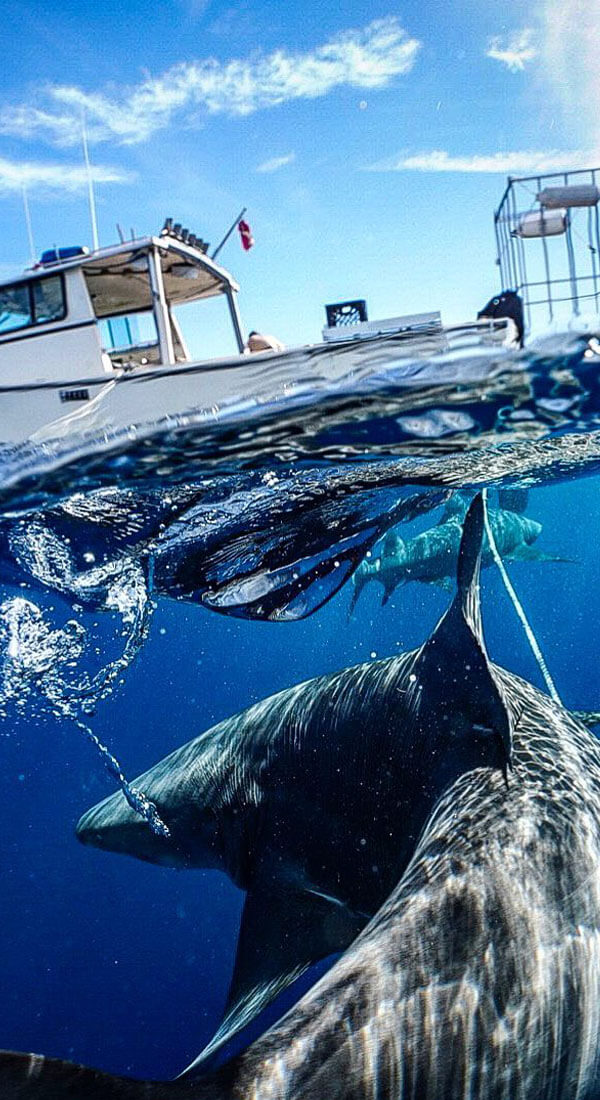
[{"x": 35, "y": 656}]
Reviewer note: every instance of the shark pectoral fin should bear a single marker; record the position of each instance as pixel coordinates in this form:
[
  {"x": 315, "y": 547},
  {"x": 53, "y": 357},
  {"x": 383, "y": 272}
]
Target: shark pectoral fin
[
  {"x": 282, "y": 933},
  {"x": 524, "y": 552},
  {"x": 453, "y": 670}
]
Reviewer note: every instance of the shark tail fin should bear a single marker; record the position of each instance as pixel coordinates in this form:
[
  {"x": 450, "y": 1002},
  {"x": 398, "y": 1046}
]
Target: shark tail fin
[
  {"x": 356, "y": 591},
  {"x": 366, "y": 572},
  {"x": 33, "y": 1077},
  {"x": 469, "y": 597}
]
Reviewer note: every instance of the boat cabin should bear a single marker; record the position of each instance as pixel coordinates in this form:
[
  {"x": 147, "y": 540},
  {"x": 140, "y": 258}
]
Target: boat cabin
[{"x": 77, "y": 315}]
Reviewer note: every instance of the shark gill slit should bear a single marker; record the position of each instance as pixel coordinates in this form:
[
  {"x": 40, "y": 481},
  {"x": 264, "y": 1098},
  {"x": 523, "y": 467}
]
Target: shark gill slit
[{"x": 518, "y": 606}]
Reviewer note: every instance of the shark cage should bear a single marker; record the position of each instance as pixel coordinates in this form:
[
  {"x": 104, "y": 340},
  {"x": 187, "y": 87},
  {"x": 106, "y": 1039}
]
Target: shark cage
[{"x": 548, "y": 245}]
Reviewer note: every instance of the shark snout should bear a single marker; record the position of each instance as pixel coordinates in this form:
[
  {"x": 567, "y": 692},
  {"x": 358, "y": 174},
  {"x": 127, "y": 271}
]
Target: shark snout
[
  {"x": 194, "y": 838},
  {"x": 94, "y": 828},
  {"x": 115, "y": 827}
]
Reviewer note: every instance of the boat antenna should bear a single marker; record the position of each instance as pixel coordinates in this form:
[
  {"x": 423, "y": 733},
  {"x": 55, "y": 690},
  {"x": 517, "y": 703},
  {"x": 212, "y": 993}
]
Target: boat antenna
[
  {"x": 228, "y": 233},
  {"x": 32, "y": 252},
  {"x": 90, "y": 183},
  {"x": 121, "y": 234}
]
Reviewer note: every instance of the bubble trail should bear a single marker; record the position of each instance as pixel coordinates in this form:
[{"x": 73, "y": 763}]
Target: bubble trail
[
  {"x": 34, "y": 654},
  {"x": 136, "y": 798}
]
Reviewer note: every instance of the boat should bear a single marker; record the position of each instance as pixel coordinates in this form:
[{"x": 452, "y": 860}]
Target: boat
[{"x": 90, "y": 343}]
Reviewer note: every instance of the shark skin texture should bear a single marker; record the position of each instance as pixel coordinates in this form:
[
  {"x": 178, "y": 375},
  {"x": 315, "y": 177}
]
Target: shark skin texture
[{"x": 479, "y": 976}]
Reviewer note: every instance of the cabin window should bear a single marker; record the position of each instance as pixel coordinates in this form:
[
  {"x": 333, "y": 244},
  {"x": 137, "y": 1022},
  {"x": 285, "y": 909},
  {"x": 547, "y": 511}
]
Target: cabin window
[
  {"x": 15, "y": 307},
  {"x": 48, "y": 300},
  {"x": 35, "y": 302}
]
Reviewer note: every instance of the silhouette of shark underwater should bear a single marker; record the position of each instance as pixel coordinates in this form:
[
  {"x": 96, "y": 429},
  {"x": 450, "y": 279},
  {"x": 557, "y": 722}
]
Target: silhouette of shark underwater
[
  {"x": 479, "y": 975},
  {"x": 430, "y": 557}
]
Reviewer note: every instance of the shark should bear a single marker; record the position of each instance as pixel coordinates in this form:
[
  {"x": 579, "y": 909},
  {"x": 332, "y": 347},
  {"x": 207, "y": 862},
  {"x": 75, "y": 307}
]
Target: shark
[
  {"x": 479, "y": 974},
  {"x": 430, "y": 557},
  {"x": 281, "y": 798}
]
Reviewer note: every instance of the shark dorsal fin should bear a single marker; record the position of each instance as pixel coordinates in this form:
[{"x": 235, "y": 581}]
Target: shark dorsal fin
[
  {"x": 468, "y": 569},
  {"x": 455, "y": 507},
  {"x": 393, "y": 544},
  {"x": 453, "y": 666},
  {"x": 513, "y": 499}
]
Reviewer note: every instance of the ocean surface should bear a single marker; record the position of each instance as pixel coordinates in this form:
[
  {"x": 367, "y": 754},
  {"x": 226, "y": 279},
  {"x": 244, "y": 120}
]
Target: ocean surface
[{"x": 157, "y": 582}]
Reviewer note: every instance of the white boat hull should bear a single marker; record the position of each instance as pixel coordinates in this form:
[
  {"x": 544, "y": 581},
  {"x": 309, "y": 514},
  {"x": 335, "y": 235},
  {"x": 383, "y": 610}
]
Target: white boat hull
[{"x": 43, "y": 412}]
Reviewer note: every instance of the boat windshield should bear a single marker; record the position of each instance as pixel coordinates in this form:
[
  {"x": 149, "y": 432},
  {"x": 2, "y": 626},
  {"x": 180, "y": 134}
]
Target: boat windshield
[
  {"x": 130, "y": 337},
  {"x": 136, "y": 327}
]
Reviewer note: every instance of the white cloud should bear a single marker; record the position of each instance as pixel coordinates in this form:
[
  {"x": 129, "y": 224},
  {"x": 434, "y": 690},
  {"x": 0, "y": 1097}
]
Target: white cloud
[
  {"x": 276, "y": 162},
  {"x": 367, "y": 58},
  {"x": 14, "y": 175},
  {"x": 509, "y": 163},
  {"x": 514, "y": 50}
]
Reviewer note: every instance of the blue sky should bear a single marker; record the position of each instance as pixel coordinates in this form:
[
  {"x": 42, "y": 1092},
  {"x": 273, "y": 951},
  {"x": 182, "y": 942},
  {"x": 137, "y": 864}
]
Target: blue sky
[{"x": 370, "y": 145}]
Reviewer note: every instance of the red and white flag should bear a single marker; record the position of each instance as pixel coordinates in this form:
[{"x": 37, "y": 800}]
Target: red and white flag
[{"x": 245, "y": 235}]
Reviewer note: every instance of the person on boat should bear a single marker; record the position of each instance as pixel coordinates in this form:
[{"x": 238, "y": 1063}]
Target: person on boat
[
  {"x": 260, "y": 341},
  {"x": 507, "y": 305}
]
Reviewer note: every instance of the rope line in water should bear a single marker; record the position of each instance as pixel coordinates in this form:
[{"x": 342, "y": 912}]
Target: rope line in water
[{"x": 531, "y": 638}]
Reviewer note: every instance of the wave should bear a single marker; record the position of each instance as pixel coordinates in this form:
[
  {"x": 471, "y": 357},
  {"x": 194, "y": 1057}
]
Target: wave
[{"x": 429, "y": 408}]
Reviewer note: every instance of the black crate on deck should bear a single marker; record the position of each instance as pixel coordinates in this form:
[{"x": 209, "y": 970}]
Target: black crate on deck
[{"x": 346, "y": 313}]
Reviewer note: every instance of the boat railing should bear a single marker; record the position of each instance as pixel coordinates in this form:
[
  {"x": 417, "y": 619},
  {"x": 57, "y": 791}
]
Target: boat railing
[
  {"x": 548, "y": 244},
  {"x": 409, "y": 323}
]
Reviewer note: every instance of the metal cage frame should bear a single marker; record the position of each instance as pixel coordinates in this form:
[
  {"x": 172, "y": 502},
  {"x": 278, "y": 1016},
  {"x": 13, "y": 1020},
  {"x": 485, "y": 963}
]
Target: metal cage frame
[{"x": 570, "y": 271}]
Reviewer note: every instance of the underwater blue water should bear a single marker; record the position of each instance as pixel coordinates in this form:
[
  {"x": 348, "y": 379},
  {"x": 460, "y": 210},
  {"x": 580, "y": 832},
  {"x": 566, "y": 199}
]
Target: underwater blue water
[{"x": 123, "y": 965}]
